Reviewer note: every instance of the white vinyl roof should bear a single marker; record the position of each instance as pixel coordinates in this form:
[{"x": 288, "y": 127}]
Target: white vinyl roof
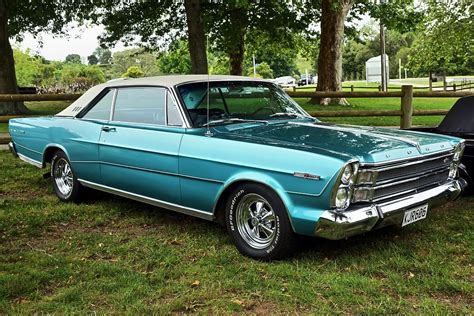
[{"x": 164, "y": 81}]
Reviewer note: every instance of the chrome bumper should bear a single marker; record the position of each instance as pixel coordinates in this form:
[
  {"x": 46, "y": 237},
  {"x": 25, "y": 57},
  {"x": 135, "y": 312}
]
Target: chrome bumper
[
  {"x": 332, "y": 225},
  {"x": 12, "y": 148}
]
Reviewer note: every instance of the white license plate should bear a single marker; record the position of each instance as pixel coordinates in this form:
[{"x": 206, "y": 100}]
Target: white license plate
[{"x": 415, "y": 215}]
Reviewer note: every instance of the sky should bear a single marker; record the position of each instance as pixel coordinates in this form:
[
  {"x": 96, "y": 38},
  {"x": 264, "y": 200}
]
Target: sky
[{"x": 80, "y": 40}]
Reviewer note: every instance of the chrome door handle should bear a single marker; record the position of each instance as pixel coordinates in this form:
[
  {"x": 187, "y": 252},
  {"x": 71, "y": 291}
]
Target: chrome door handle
[{"x": 108, "y": 129}]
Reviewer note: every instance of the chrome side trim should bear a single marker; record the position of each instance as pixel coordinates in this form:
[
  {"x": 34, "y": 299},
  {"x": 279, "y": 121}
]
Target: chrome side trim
[
  {"x": 149, "y": 170},
  {"x": 30, "y": 161},
  {"x": 148, "y": 200},
  {"x": 305, "y": 175}
]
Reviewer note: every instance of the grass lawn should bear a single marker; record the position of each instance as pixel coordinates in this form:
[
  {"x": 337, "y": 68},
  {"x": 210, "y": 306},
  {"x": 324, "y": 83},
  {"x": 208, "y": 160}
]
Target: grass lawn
[{"x": 112, "y": 255}]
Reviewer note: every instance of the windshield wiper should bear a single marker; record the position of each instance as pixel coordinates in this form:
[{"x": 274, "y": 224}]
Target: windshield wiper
[
  {"x": 231, "y": 121},
  {"x": 287, "y": 114}
]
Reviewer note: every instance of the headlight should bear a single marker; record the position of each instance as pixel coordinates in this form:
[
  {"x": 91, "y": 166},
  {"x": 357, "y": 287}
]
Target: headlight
[
  {"x": 342, "y": 193},
  {"x": 342, "y": 198},
  {"x": 346, "y": 174},
  {"x": 458, "y": 151}
]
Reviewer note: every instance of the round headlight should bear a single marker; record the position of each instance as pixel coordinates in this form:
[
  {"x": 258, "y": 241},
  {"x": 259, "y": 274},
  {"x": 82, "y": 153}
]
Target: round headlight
[
  {"x": 346, "y": 174},
  {"x": 342, "y": 198}
]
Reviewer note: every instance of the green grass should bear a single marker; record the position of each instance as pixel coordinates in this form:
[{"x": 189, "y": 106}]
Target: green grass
[{"x": 111, "y": 255}]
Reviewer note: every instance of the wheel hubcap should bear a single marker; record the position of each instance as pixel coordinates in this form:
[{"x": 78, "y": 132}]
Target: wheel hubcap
[
  {"x": 63, "y": 176},
  {"x": 256, "y": 221}
]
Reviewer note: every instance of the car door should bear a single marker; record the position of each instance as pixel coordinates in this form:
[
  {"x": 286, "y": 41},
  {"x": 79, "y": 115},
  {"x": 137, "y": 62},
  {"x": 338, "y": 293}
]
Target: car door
[
  {"x": 139, "y": 147},
  {"x": 80, "y": 136}
]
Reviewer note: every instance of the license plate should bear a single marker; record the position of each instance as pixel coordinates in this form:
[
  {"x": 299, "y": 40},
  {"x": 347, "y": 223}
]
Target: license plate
[{"x": 415, "y": 215}]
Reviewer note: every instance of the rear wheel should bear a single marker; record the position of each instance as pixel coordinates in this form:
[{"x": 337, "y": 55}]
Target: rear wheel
[
  {"x": 65, "y": 183},
  {"x": 257, "y": 222}
]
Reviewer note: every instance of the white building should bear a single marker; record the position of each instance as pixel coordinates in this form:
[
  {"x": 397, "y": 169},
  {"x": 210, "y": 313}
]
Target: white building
[{"x": 373, "y": 69}]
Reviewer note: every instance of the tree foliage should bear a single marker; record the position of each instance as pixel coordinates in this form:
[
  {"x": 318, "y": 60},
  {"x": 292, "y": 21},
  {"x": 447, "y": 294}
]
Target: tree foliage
[
  {"x": 146, "y": 61},
  {"x": 133, "y": 72},
  {"x": 73, "y": 59},
  {"x": 445, "y": 39}
]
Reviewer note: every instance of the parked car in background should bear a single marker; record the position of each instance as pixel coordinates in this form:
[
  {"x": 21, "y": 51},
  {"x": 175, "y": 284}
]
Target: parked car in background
[
  {"x": 459, "y": 122},
  {"x": 241, "y": 152},
  {"x": 305, "y": 80},
  {"x": 285, "y": 82}
]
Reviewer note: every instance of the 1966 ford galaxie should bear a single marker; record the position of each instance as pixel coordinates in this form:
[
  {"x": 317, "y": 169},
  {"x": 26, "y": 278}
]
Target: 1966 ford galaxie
[{"x": 241, "y": 152}]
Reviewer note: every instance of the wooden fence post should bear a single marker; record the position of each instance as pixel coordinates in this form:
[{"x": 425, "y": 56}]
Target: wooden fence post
[
  {"x": 406, "y": 107},
  {"x": 352, "y": 88}
]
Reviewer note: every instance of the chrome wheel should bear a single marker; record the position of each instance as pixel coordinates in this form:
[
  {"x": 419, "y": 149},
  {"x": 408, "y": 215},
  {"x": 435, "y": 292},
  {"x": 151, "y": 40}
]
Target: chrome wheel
[
  {"x": 63, "y": 177},
  {"x": 256, "y": 221}
]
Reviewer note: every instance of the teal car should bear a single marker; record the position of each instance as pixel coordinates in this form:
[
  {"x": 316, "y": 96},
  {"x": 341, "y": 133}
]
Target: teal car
[{"x": 241, "y": 152}]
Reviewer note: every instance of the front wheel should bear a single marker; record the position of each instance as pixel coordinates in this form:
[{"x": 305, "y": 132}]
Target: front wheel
[
  {"x": 65, "y": 183},
  {"x": 258, "y": 224}
]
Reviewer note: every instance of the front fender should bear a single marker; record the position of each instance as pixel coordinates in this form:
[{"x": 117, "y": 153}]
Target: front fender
[{"x": 302, "y": 217}]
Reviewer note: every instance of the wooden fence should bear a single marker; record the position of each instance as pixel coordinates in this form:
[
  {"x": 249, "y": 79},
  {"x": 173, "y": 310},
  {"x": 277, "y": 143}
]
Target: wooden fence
[
  {"x": 406, "y": 95},
  {"x": 468, "y": 85}
]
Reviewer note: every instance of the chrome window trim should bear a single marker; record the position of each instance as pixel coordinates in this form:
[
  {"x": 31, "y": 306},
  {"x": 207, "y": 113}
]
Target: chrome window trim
[
  {"x": 148, "y": 200},
  {"x": 112, "y": 108}
]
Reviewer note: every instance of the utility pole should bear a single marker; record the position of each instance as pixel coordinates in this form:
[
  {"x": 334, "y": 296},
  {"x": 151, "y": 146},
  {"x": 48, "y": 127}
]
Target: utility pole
[
  {"x": 382, "y": 54},
  {"x": 399, "y": 68},
  {"x": 254, "y": 67}
]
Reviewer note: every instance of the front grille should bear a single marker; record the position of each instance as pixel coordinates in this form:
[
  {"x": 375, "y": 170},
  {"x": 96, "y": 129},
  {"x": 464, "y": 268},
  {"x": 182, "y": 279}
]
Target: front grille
[{"x": 403, "y": 177}]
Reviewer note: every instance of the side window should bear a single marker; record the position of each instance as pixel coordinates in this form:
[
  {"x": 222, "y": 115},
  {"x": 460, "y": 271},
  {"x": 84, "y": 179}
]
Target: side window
[
  {"x": 141, "y": 105},
  {"x": 101, "y": 110},
  {"x": 174, "y": 118}
]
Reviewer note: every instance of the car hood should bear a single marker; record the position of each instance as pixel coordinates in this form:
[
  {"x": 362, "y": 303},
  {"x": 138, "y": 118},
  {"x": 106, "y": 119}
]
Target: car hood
[{"x": 367, "y": 144}]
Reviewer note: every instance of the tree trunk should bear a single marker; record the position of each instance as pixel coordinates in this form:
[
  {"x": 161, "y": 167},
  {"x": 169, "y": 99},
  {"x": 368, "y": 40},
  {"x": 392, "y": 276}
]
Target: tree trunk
[
  {"x": 196, "y": 37},
  {"x": 236, "y": 60},
  {"x": 237, "y": 46},
  {"x": 333, "y": 15},
  {"x": 8, "y": 83}
]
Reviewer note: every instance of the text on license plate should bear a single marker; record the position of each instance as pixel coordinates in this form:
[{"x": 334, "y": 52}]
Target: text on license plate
[{"x": 415, "y": 214}]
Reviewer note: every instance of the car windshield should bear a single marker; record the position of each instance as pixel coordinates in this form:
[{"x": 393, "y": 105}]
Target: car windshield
[{"x": 237, "y": 102}]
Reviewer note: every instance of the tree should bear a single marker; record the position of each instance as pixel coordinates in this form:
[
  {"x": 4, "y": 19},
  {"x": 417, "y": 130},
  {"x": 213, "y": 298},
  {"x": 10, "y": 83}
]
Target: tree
[
  {"x": 400, "y": 15},
  {"x": 92, "y": 60},
  {"x": 333, "y": 17},
  {"x": 146, "y": 61},
  {"x": 230, "y": 22},
  {"x": 104, "y": 55},
  {"x": 17, "y": 17},
  {"x": 196, "y": 37},
  {"x": 176, "y": 60},
  {"x": 154, "y": 25},
  {"x": 445, "y": 40},
  {"x": 73, "y": 59},
  {"x": 263, "y": 70},
  {"x": 133, "y": 72}
]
